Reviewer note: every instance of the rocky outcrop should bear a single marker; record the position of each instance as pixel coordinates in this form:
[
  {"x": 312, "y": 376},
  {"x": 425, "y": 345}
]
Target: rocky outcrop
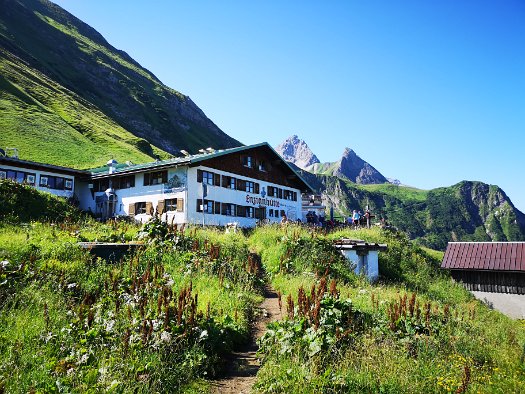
[{"x": 296, "y": 151}]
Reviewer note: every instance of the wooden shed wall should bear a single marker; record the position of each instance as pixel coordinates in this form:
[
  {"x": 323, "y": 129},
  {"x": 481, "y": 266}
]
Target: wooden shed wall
[{"x": 491, "y": 281}]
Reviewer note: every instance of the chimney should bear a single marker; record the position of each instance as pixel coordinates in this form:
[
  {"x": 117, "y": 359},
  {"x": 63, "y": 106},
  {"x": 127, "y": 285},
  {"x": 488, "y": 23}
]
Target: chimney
[{"x": 112, "y": 166}]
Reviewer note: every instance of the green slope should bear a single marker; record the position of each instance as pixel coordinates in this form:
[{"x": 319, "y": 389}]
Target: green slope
[
  {"x": 61, "y": 79},
  {"x": 467, "y": 211},
  {"x": 51, "y": 124}
]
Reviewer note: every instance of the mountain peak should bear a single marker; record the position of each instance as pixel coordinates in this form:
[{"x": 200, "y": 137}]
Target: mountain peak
[
  {"x": 296, "y": 151},
  {"x": 349, "y": 152},
  {"x": 357, "y": 170}
]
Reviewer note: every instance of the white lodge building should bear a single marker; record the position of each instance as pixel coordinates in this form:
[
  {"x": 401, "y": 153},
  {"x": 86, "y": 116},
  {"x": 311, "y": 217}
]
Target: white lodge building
[
  {"x": 241, "y": 185},
  {"x": 44, "y": 177}
]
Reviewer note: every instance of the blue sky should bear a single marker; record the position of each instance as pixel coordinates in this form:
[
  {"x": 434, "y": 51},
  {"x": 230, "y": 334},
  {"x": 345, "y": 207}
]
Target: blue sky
[{"x": 429, "y": 92}]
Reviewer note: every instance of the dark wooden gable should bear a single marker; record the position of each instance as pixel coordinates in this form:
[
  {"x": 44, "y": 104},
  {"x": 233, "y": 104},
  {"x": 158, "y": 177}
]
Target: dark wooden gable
[{"x": 274, "y": 170}]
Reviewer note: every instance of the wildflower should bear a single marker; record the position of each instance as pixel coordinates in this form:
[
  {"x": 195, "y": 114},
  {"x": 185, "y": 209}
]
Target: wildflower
[
  {"x": 71, "y": 285},
  {"x": 83, "y": 359},
  {"x": 165, "y": 336},
  {"x": 109, "y": 325},
  {"x": 4, "y": 264}
]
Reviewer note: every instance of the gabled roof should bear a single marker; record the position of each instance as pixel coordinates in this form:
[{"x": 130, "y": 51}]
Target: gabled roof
[
  {"x": 491, "y": 256},
  {"x": 122, "y": 169}
]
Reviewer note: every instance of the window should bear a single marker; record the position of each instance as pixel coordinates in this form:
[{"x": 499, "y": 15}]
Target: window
[
  {"x": 124, "y": 182},
  {"x": 270, "y": 213},
  {"x": 229, "y": 182},
  {"x": 56, "y": 182},
  {"x": 250, "y": 187},
  {"x": 228, "y": 209},
  {"x": 247, "y": 161},
  {"x": 99, "y": 185},
  {"x": 18, "y": 176},
  {"x": 290, "y": 195},
  {"x": 208, "y": 178},
  {"x": 271, "y": 191},
  {"x": 279, "y": 193},
  {"x": 249, "y": 212},
  {"x": 140, "y": 207},
  {"x": 170, "y": 205},
  {"x": 207, "y": 207},
  {"x": 260, "y": 213},
  {"x": 155, "y": 178},
  {"x": 262, "y": 166}
]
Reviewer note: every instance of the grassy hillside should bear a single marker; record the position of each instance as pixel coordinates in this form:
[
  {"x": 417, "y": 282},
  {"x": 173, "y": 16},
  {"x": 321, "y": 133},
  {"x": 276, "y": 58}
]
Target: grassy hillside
[
  {"x": 49, "y": 123},
  {"x": 63, "y": 85}
]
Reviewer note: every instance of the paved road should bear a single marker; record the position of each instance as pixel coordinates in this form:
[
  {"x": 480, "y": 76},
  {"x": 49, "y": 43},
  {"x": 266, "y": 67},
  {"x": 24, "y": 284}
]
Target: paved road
[{"x": 512, "y": 305}]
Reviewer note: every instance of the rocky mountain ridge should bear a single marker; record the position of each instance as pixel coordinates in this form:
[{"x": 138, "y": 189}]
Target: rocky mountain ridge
[{"x": 349, "y": 166}]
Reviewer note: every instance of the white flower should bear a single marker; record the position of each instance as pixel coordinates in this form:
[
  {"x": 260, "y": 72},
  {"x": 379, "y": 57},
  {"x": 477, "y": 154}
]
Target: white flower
[
  {"x": 83, "y": 359},
  {"x": 4, "y": 264},
  {"x": 204, "y": 334},
  {"x": 156, "y": 324},
  {"x": 71, "y": 285},
  {"x": 165, "y": 336},
  {"x": 109, "y": 325}
]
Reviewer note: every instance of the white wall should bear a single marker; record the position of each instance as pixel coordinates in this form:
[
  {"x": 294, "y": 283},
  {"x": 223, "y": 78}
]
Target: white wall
[
  {"x": 190, "y": 192},
  {"x": 367, "y": 264},
  {"x": 141, "y": 193},
  {"x": 238, "y": 197}
]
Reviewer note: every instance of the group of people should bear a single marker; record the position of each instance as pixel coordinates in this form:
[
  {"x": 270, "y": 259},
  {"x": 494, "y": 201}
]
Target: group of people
[{"x": 355, "y": 219}]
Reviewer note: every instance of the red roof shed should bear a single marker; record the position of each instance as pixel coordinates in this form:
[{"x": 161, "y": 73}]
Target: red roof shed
[{"x": 487, "y": 266}]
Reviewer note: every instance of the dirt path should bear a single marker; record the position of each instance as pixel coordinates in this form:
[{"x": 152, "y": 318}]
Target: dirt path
[{"x": 243, "y": 365}]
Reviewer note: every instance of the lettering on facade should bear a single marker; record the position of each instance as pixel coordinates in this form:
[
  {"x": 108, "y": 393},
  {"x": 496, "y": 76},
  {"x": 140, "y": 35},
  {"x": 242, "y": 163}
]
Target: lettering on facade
[{"x": 262, "y": 201}]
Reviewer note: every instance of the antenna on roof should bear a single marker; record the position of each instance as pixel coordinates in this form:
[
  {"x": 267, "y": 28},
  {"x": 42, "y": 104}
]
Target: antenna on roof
[
  {"x": 185, "y": 153},
  {"x": 11, "y": 152}
]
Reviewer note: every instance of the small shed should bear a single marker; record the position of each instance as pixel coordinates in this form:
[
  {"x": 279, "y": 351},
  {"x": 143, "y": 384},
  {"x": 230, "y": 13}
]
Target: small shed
[
  {"x": 497, "y": 267},
  {"x": 365, "y": 255}
]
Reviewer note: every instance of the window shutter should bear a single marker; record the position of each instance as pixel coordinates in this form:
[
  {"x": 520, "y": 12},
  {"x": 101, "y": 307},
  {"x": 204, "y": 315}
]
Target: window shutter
[
  {"x": 225, "y": 181},
  {"x": 217, "y": 208},
  {"x": 199, "y": 203},
  {"x": 217, "y": 179},
  {"x": 146, "y": 179},
  {"x": 131, "y": 210},
  {"x": 199, "y": 176},
  {"x": 241, "y": 210},
  {"x": 257, "y": 188},
  {"x": 164, "y": 176},
  {"x": 149, "y": 208},
  {"x": 160, "y": 206},
  {"x": 180, "y": 204},
  {"x": 241, "y": 184}
]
